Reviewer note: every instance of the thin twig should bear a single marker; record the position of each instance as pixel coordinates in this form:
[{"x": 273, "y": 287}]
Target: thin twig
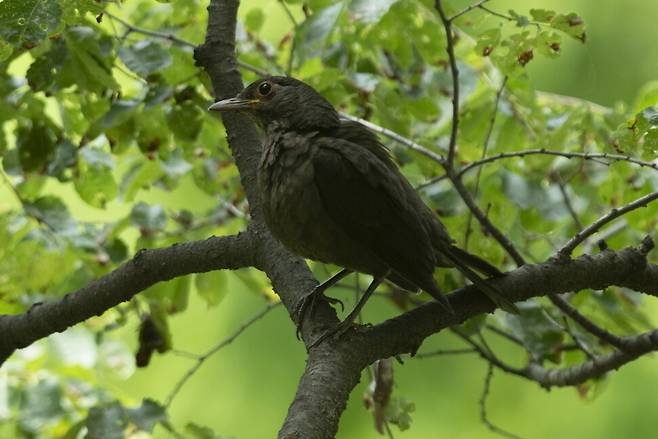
[
  {"x": 567, "y": 203},
  {"x": 484, "y": 220},
  {"x": 587, "y": 324},
  {"x": 592, "y": 242},
  {"x": 467, "y": 9},
  {"x": 569, "y": 247},
  {"x": 397, "y": 137},
  {"x": 577, "y": 340},
  {"x": 442, "y": 352},
  {"x": 485, "y": 148},
  {"x": 508, "y": 17},
  {"x": 483, "y": 406},
  {"x": 593, "y": 156},
  {"x": 568, "y": 155},
  {"x": 483, "y": 409},
  {"x": 454, "y": 71},
  {"x": 511, "y": 337},
  {"x": 202, "y": 358},
  {"x": 164, "y": 36},
  {"x": 180, "y": 41}
]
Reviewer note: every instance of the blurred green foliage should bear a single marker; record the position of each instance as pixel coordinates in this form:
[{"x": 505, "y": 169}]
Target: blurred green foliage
[{"x": 106, "y": 148}]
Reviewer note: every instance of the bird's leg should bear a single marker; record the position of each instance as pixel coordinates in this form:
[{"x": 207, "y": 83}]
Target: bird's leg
[
  {"x": 343, "y": 326},
  {"x": 308, "y": 301}
]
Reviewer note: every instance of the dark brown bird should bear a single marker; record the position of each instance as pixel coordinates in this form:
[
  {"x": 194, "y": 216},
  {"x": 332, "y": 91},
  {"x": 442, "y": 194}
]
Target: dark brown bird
[{"x": 331, "y": 192}]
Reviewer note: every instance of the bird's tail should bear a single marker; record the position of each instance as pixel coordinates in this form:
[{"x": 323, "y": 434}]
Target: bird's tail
[{"x": 466, "y": 262}]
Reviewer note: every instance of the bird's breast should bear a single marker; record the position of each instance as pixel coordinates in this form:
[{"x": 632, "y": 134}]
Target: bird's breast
[{"x": 291, "y": 205}]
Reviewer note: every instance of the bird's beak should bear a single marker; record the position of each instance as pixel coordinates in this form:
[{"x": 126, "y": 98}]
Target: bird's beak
[{"x": 234, "y": 104}]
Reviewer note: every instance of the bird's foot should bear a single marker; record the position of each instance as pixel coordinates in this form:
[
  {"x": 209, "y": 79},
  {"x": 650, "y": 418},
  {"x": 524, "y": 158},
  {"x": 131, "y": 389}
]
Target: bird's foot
[
  {"x": 307, "y": 303},
  {"x": 335, "y": 332}
]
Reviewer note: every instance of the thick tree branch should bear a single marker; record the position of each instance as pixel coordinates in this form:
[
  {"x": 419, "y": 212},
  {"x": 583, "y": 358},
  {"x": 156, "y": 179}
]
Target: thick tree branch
[
  {"x": 626, "y": 268},
  {"x": 289, "y": 274},
  {"x": 146, "y": 268}
]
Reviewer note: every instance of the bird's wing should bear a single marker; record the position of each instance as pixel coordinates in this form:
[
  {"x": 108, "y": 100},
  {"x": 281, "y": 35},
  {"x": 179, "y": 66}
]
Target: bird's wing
[{"x": 366, "y": 198}]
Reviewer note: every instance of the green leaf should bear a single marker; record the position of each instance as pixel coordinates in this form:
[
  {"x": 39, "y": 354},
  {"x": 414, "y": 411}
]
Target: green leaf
[
  {"x": 149, "y": 219},
  {"x": 52, "y": 211},
  {"x": 255, "y": 19},
  {"x": 140, "y": 177},
  {"x": 369, "y": 11},
  {"x": 44, "y": 70},
  {"x": 26, "y": 23},
  {"x": 647, "y": 96},
  {"x": 106, "y": 422},
  {"x": 211, "y": 286},
  {"x": 40, "y": 404},
  {"x": 147, "y": 415},
  {"x": 182, "y": 66},
  {"x": 65, "y": 157},
  {"x": 571, "y": 24},
  {"x": 121, "y": 111},
  {"x": 185, "y": 120},
  {"x": 313, "y": 33},
  {"x": 542, "y": 15},
  {"x": 540, "y": 333},
  {"x": 5, "y": 50},
  {"x": 74, "y": 11},
  {"x": 89, "y": 66},
  {"x": 35, "y": 146},
  {"x": 145, "y": 57},
  {"x": 94, "y": 181},
  {"x": 521, "y": 20}
]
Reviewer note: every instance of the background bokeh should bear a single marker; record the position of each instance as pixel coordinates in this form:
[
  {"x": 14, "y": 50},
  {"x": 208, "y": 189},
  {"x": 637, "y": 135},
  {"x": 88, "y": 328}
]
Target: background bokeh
[{"x": 244, "y": 391}]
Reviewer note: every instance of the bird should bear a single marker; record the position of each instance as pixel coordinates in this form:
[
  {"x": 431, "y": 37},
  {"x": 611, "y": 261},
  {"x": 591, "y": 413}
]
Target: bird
[{"x": 331, "y": 192}]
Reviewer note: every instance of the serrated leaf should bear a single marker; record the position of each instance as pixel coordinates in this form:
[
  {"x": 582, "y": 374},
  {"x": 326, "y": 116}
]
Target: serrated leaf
[
  {"x": 26, "y": 23},
  {"x": 83, "y": 44},
  {"x": 211, "y": 286},
  {"x": 571, "y": 24},
  {"x": 145, "y": 57}
]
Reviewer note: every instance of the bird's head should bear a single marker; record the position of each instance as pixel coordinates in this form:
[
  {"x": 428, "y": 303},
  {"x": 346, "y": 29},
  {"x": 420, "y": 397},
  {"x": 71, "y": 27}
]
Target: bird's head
[{"x": 284, "y": 101}]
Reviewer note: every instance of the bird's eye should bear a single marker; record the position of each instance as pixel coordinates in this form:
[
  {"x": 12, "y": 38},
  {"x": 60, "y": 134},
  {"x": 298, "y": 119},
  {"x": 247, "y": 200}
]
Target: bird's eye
[{"x": 265, "y": 88}]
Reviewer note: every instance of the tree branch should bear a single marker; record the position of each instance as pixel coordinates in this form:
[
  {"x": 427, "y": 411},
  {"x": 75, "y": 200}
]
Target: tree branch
[
  {"x": 454, "y": 71},
  {"x": 569, "y": 247},
  {"x": 146, "y": 268},
  {"x": 626, "y": 268}
]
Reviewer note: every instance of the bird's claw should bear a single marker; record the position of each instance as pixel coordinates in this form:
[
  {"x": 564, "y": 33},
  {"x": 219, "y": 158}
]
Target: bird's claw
[
  {"x": 307, "y": 303},
  {"x": 335, "y": 332}
]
